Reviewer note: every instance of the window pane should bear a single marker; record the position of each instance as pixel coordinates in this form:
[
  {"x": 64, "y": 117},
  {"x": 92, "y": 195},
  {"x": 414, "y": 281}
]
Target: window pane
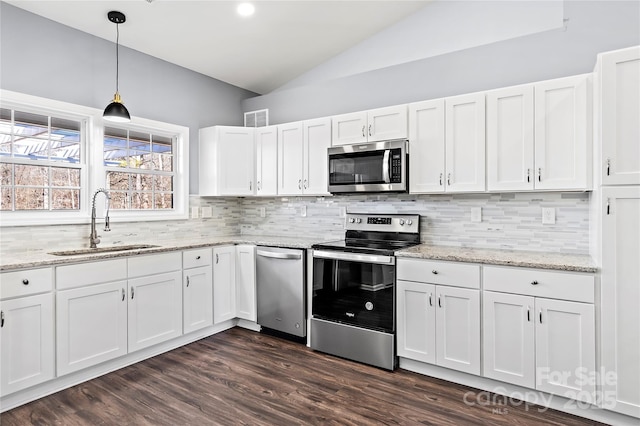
[
  {"x": 118, "y": 200},
  {"x": 6, "y": 171},
  {"x": 116, "y": 180},
  {"x": 65, "y": 177},
  {"x": 163, "y": 183},
  {"x": 137, "y": 160},
  {"x": 5, "y": 129},
  {"x": 65, "y": 199},
  {"x": 31, "y": 125},
  {"x": 115, "y": 150},
  {"x": 32, "y": 198},
  {"x": 139, "y": 141},
  {"x": 163, "y": 162},
  {"x": 31, "y": 175},
  {"x": 6, "y": 200},
  {"x": 164, "y": 201},
  {"x": 141, "y": 200},
  {"x": 142, "y": 182}
]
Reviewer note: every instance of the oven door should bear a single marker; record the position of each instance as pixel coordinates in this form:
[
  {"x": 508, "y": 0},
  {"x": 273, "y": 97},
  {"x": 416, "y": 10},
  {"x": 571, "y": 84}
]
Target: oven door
[{"x": 355, "y": 289}]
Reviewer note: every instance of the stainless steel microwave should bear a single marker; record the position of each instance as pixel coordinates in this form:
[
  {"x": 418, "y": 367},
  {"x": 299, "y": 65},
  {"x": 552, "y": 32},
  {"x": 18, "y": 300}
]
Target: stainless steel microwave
[{"x": 369, "y": 167}]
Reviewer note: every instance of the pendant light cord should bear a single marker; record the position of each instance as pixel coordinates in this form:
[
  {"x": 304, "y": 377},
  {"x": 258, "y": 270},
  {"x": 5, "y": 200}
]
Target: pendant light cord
[{"x": 117, "y": 56}]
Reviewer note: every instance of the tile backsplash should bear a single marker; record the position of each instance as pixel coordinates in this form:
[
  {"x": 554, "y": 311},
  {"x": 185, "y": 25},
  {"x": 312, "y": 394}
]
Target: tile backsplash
[{"x": 509, "y": 221}]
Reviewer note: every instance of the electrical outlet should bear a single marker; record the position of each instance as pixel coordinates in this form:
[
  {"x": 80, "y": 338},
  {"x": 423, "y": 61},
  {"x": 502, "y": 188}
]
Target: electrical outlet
[
  {"x": 263, "y": 212},
  {"x": 476, "y": 214},
  {"x": 548, "y": 216},
  {"x": 195, "y": 212},
  {"x": 303, "y": 211},
  {"x": 206, "y": 212}
]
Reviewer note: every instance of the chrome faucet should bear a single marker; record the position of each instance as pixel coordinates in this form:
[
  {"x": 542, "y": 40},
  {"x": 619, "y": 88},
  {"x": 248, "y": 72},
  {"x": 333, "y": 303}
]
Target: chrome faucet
[{"x": 93, "y": 237}]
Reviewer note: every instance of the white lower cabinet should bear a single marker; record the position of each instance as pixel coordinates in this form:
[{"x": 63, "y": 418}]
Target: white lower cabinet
[
  {"x": 91, "y": 325},
  {"x": 439, "y": 324},
  {"x": 224, "y": 283},
  {"x": 27, "y": 351},
  {"x": 246, "y": 282},
  {"x": 197, "y": 281},
  {"x": 538, "y": 342}
]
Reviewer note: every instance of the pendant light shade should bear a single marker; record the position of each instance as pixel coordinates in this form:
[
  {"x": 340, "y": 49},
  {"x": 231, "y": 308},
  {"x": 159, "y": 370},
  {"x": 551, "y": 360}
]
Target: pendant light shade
[{"x": 116, "y": 111}]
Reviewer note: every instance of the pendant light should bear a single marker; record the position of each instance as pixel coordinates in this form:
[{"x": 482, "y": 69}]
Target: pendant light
[{"x": 116, "y": 111}]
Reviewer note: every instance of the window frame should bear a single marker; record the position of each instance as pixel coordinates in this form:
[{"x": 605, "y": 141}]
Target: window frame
[{"x": 93, "y": 172}]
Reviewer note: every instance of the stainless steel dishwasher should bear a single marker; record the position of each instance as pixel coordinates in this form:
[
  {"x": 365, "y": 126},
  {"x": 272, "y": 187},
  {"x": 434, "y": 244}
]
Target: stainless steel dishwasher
[{"x": 280, "y": 279}]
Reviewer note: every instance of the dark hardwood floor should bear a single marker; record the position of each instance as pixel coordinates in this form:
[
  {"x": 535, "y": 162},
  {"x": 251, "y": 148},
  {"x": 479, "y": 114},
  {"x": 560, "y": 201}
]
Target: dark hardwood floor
[{"x": 241, "y": 377}]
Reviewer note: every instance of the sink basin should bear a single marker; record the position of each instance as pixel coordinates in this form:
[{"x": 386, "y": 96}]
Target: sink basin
[{"x": 101, "y": 250}]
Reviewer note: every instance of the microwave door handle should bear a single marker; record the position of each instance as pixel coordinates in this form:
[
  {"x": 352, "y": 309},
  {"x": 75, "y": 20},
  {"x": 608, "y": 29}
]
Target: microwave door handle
[{"x": 385, "y": 166}]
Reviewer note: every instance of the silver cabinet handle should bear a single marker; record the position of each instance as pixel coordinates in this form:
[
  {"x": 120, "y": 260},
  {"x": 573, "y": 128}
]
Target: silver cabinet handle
[
  {"x": 608, "y": 206},
  {"x": 259, "y": 186},
  {"x": 1, "y": 319},
  {"x": 528, "y": 313},
  {"x": 608, "y": 166},
  {"x": 434, "y": 272},
  {"x": 370, "y": 134},
  {"x": 535, "y": 282},
  {"x": 448, "y": 178},
  {"x": 216, "y": 257},
  {"x": 132, "y": 293},
  {"x": 430, "y": 301},
  {"x": 25, "y": 281},
  {"x": 540, "y": 316},
  {"x": 363, "y": 134},
  {"x": 299, "y": 183},
  {"x": 124, "y": 294},
  {"x": 305, "y": 184},
  {"x": 528, "y": 175},
  {"x": 539, "y": 174},
  {"x": 441, "y": 174},
  {"x": 187, "y": 281},
  {"x": 250, "y": 186},
  {"x": 197, "y": 257},
  {"x": 439, "y": 301}
]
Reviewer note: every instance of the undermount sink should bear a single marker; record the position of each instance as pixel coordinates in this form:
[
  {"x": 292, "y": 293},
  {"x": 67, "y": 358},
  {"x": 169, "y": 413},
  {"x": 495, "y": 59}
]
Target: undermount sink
[{"x": 102, "y": 250}]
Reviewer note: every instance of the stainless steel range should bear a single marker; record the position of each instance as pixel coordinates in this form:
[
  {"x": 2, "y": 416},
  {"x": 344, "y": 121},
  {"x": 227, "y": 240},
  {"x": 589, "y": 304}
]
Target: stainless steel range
[{"x": 354, "y": 288}]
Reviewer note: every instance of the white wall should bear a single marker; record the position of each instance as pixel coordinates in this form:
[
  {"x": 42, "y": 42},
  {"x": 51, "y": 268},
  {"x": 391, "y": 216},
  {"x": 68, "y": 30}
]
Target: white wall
[{"x": 593, "y": 27}]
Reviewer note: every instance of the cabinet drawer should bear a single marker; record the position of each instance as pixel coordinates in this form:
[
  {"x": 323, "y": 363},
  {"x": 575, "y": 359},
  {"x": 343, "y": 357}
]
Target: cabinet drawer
[
  {"x": 23, "y": 283},
  {"x": 438, "y": 272},
  {"x": 539, "y": 283},
  {"x": 139, "y": 266},
  {"x": 196, "y": 258},
  {"x": 70, "y": 276}
]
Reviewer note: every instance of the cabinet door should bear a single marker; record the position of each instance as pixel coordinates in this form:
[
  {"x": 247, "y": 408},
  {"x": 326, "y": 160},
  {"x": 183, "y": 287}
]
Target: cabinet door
[
  {"x": 197, "y": 298},
  {"x": 620, "y": 109},
  {"x": 246, "y": 282},
  {"x": 562, "y": 136},
  {"x": 458, "y": 329},
  {"x": 267, "y": 160},
  {"x": 465, "y": 143},
  {"x": 154, "y": 309},
  {"x": 510, "y": 139},
  {"x": 91, "y": 325},
  {"x": 349, "y": 128},
  {"x": 565, "y": 348},
  {"x": 620, "y": 297},
  {"x": 509, "y": 338},
  {"x": 317, "y": 139},
  {"x": 426, "y": 136},
  {"x": 224, "y": 284},
  {"x": 290, "y": 159},
  {"x": 416, "y": 316},
  {"x": 236, "y": 160},
  {"x": 27, "y": 351},
  {"x": 387, "y": 123}
]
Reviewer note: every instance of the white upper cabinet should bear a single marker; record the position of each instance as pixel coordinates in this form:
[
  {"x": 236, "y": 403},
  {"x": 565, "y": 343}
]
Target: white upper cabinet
[
  {"x": 465, "y": 143},
  {"x": 426, "y": 133},
  {"x": 226, "y": 161},
  {"x": 317, "y": 139},
  {"x": 562, "y": 134},
  {"x": 510, "y": 139},
  {"x": 619, "y": 74},
  {"x": 266, "y": 160},
  {"x": 370, "y": 126},
  {"x": 302, "y": 157},
  {"x": 290, "y": 158}
]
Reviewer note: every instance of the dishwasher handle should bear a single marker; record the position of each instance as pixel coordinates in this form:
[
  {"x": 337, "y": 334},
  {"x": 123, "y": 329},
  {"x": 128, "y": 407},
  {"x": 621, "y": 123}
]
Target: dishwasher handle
[{"x": 276, "y": 255}]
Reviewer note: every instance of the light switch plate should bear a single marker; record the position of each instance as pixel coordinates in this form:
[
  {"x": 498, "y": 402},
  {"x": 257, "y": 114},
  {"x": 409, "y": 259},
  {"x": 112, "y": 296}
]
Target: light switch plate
[
  {"x": 476, "y": 214},
  {"x": 548, "y": 216},
  {"x": 206, "y": 211},
  {"x": 195, "y": 212},
  {"x": 263, "y": 212},
  {"x": 303, "y": 211}
]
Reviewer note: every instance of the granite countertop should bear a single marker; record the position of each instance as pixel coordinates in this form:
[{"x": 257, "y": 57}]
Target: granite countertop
[
  {"x": 41, "y": 257},
  {"x": 524, "y": 259}
]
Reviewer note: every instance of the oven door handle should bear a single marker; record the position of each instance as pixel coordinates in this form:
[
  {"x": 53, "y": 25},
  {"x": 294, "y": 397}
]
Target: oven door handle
[
  {"x": 365, "y": 258},
  {"x": 385, "y": 166}
]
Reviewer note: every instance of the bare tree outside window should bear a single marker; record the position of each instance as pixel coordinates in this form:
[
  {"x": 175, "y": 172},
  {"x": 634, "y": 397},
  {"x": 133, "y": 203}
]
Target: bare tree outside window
[{"x": 140, "y": 169}]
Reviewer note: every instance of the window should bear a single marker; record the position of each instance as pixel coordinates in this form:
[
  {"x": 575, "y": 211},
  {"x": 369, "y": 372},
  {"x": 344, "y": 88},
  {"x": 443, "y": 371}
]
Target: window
[
  {"x": 139, "y": 169},
  {"x": 41, "y": 161}
]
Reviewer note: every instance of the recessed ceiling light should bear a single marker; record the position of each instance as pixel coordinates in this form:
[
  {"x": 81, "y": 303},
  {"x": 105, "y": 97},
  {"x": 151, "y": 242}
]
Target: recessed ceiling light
[{"x": 246, "y": 9}]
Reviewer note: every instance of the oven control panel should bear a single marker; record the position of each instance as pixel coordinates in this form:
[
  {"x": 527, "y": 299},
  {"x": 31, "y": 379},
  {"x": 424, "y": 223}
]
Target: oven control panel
[{"x": 383, "y": 222}]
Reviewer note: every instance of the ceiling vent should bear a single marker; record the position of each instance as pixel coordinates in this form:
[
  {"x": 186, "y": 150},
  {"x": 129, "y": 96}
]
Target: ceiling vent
[{"x": 259, "y": 118}]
